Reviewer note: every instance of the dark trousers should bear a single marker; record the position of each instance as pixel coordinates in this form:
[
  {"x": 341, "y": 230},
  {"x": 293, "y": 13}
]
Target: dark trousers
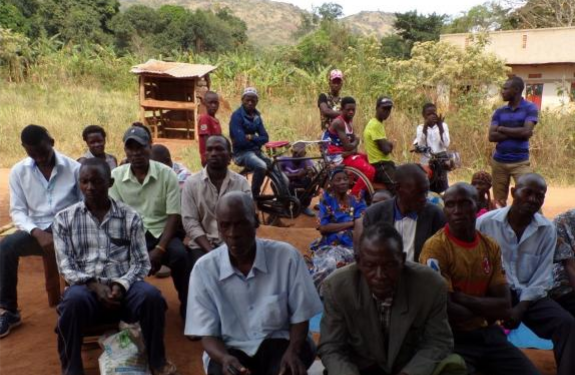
[
  {"x": 177, "y": 258},
  {"x": 385, "y": 174},
  {"x": 550, "y": 321},
  {"x": 80, "y": 309},
  {"x": 487, "y": 350},
  {"x": 567, "y": 301},
  {"x": 12, "y": 247},
  {"x": 297, "y": 188},
  {"x": 268, "y": 358}
]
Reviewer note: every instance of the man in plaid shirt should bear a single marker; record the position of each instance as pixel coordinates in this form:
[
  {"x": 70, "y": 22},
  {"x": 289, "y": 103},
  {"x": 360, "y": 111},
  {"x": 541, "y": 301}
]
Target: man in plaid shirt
[{"x": 101, "y": 252}]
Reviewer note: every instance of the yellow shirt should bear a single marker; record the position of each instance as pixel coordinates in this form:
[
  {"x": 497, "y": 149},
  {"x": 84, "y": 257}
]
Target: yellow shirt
[
  {"x": 374, "y": 131},
  {"x": 154, "y": 200},
  {"x": 470, "y": 268}
]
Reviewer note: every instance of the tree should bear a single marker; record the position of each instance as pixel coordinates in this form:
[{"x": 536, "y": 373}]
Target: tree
[
  {"x": 543, "y": 13},
  {"x": 15, "y": 54},
  {"x": 412, "y": 27},
  {"x": 329, "y": 11},
  {"x": 485, "y": 17}
]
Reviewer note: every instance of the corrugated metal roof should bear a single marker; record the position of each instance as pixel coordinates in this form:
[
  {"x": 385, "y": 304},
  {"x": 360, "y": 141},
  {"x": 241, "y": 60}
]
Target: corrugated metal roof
[{"x": 172, "y": 69}]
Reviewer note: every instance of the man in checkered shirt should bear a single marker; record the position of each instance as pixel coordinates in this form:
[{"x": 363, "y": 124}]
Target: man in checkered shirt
[{"x": 101, "y": 252}]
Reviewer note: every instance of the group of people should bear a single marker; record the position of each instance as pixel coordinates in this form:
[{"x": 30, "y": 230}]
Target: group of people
[{"x": 426, "y": 289}]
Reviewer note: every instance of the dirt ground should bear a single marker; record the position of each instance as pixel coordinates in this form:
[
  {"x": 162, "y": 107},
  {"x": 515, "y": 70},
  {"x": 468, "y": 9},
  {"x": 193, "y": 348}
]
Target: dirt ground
[{"x": 31, "y": 348}]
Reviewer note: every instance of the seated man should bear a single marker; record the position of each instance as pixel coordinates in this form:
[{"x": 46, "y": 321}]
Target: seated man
[
  {"x": 95, "y": 138},
  {"x": 101, "y": 252},
  {"x": 40, "y": 186},
  {"x": 248, "y": 136},
  {"x": 376, "y": 319},
  {"x": 563, "y": 291},
  {"x": 151, "y": 189},
  {"x": 479, "y": 295},
  {"x": 409, "y": 212},
  {"x": 251, "y": 299},
  {"x": 527, "y": 242},
  {"x": 343, "y": 143},
  {"x": 161, "y": 154},
  {"x": 378, "y": 147},
  {"x": 203, "y": 190},
  {"x": 298, "y": 173}
]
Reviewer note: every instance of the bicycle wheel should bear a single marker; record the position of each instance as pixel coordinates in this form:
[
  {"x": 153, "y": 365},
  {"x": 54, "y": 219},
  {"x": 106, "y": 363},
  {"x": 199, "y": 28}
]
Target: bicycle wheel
[
  {"x": 356, "y": 175},
  {"x": 276, "y": 199}
]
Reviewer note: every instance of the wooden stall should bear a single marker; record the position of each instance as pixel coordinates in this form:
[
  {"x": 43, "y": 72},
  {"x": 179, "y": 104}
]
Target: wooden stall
[{"x": 170, "y": 96}]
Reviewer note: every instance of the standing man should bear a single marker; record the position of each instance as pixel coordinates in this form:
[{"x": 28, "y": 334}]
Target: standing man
[
  {"x": 101, "y": 252},
  {"x": 378, "y": 147},
  {"x": 511, "y": 128},
  {"x": 248, "y": 136},
  {"x": 528, "y": 241},
  {"x": 470, "y": 263},
  {"x": 409, "y": 212},
  {"x": 330, "y": 103},
  {"x": 251, "y": 299},
  {"x": 41, "y": 185},
  {"x": 202, "y": 192},
  {"x": 377, "y": 321},
  {"x": 208, "y": 124},
  {"x": 151, "y": 188}
]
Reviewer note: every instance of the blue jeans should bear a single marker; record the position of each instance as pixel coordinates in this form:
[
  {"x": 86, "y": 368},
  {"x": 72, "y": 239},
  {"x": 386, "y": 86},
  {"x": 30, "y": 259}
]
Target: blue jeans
[
  {"x": 256, "y": 162},
  {"x": 80, "y": 309}
]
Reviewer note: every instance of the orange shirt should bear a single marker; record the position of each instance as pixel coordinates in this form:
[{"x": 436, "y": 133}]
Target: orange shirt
[{"x": 470, "y": 268}]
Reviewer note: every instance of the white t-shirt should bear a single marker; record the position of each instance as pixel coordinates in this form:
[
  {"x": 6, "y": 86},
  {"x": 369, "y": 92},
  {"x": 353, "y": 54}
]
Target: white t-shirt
[
  {"x": 406, "y": 228},
  {"x": 433, "y": 140}
]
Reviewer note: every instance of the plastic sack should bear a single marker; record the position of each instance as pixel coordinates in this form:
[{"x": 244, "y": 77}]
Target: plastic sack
[
  {"x": 327, "y": 259},
  {"x": 124, "y": 352}
]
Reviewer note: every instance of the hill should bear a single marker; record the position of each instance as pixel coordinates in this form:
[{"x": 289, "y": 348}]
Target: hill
[{"x": 272, "y": 23}]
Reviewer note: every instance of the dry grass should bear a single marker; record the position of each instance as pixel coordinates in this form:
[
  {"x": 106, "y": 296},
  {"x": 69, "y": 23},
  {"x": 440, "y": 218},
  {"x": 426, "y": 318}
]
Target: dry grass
[{"x": 66, "y": 109}]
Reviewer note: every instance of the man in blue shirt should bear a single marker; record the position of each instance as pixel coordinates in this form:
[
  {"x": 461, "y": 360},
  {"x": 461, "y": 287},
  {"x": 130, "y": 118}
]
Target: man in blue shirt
[
  {"x": 251, "y": 299},
  {"x": 41, "y": 185},
  {"x": 527, "y": 242},
  {"x": 248, "y": 136},
  {"x": 511, "y": 127}
]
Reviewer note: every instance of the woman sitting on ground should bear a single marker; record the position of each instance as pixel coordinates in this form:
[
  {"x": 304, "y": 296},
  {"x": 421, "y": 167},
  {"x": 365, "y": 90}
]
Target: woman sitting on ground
[
  {"x": 483, "y": 182},
  {"x": 338, "y": 211},
  {"x": 95, "y": 138}
]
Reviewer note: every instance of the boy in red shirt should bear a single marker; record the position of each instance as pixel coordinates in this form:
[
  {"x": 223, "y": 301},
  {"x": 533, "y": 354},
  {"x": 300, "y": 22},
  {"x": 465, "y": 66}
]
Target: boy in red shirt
[{"x": 208, "y": 124}]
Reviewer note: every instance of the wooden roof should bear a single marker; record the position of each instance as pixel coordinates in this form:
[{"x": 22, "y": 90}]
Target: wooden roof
[{"x": 172, "y": 69}]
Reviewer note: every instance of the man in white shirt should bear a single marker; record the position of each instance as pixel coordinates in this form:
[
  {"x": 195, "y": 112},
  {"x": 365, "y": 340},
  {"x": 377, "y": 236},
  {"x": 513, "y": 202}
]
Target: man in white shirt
[
  {"x": 41, "y": 185},
  {"x": 251, "y": 299},
  {"x": 202, "y": 191},
  {"x": 434, "y": 133}
]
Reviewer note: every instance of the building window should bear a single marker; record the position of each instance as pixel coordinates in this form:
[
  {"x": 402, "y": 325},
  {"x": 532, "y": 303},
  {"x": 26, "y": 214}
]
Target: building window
[
  {"x": 534, "y": 75},
  {"x": 524, "y": 42}
]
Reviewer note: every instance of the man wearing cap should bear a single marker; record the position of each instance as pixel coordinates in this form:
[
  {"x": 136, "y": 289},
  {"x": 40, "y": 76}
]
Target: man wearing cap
[
  {"x": 378, "y": 147},
  {"x": 151, "y": 188},
  {"x": 248, "y": 136},
  {"x": 40, "y": 185},
  {"x": 330, "y": 103}
]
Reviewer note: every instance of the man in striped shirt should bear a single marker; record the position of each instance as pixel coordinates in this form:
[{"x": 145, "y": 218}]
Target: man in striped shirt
[{"x": 101, "y": 252}]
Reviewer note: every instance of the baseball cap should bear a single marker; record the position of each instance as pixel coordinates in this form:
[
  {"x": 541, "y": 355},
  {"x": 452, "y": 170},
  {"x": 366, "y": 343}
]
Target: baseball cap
[
  {"x": 335, "y": 74},
  {"x": 385, "y": 101},
  {"x": 250, "y": 90},
  {"x": 137, "y": 134}
]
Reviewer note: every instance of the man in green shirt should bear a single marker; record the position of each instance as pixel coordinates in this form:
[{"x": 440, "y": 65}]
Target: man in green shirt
[
  {"x": 378, "y": 147},
  {"x": 152, "y": 189}
]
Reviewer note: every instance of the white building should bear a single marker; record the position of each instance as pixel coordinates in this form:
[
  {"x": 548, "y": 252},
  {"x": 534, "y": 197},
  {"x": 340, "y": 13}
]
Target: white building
[{"x": 544, "y": 58}]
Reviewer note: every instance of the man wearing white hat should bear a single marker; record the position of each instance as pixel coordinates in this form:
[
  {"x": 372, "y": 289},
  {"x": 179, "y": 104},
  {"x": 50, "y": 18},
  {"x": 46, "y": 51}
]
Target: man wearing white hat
[{"x": 248, "y": 136}]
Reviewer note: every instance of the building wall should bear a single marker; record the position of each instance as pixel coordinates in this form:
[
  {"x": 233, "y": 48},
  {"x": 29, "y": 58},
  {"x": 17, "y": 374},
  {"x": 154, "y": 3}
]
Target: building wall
[
  {"x": 534, "y": 46},
  {"x": 556, "y": 79}
]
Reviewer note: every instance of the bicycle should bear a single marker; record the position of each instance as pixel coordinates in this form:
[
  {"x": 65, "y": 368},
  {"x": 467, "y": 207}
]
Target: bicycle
[
  {"x": 282, "y": 202},
  {"x": 438, "y": 165}
]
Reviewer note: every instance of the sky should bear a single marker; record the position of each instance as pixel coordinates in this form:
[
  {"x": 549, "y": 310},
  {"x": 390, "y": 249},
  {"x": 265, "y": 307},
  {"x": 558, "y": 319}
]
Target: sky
[{"x": 450, "y": 7}]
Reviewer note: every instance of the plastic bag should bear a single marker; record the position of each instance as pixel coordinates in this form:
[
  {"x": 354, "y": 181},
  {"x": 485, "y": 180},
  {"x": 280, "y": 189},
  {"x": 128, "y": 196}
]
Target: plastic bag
[{"x": 124, "y": 352}]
